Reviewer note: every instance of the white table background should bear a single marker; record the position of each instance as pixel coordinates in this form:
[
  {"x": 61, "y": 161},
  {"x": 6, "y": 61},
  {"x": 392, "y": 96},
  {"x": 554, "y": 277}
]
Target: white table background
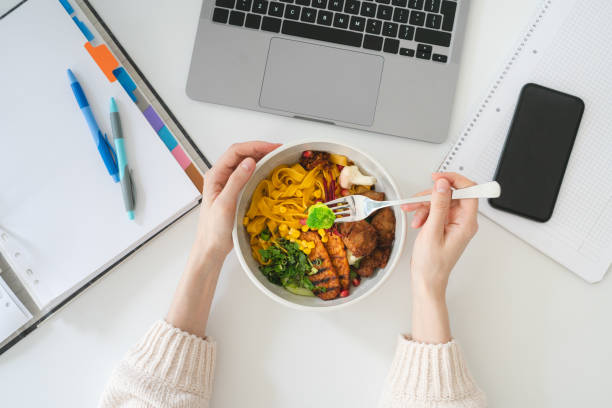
[{"x": 534, "y": 334}]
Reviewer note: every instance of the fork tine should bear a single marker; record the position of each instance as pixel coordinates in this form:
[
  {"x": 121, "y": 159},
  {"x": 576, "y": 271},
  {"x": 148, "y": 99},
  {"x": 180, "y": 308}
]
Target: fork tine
[
  {"x": 348, "y": 212},
  {"x": 344, "y": 219},
  {"x": 337, "y": 200},
  {"x": 340, "y": 208}
]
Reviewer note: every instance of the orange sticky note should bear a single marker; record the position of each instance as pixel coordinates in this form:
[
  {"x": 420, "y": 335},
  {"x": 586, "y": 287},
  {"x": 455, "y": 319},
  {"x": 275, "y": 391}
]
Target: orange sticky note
[{"x": 104, "y": 58}]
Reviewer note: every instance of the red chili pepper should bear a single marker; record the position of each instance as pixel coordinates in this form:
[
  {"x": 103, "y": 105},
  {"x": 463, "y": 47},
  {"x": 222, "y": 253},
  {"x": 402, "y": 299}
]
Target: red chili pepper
[
  {"x": 325, "y": 190},
  {"x": 344, "y": 293},
  {"x": 307, "y": 153},
  {"x": 356, "y": 282}
]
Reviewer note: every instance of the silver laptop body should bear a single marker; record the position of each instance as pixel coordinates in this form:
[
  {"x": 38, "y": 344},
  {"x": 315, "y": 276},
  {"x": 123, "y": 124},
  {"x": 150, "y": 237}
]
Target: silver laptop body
[{"x": 320, "y": 66}]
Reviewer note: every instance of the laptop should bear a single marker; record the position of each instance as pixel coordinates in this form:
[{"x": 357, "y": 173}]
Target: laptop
[{"x": 385, "y": 66}]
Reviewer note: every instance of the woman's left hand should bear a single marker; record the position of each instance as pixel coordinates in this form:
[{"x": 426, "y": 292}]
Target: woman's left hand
[
  {"x": 222, "y": 185},
  {"x": 191, "y": 304}
]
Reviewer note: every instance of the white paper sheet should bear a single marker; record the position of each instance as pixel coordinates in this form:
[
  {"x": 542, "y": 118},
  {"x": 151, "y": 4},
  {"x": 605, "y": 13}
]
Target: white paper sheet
[
  {"x": 565, "y": 47},
  {"x": 13, "y": 314},
  {"x": 57, "y": 200}
]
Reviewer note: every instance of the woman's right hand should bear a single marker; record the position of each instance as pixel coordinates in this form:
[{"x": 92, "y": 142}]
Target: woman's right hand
[{"x": 446, "y": 229}]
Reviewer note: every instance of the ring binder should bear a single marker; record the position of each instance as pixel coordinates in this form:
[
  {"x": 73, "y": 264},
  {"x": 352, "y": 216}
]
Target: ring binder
[{"x": 20, "y": 251}]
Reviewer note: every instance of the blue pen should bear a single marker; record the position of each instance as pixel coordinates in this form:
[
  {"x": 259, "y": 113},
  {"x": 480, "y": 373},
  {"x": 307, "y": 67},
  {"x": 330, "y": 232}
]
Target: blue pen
[
  {"x": 104, "y": 148},
  {"x": 125, "y": 175}
]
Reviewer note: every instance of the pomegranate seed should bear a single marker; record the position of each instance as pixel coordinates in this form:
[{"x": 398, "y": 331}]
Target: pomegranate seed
[
  {"x": 356, "y": 282},
  {"x": 344, "y": 293},
  {"x": 307, "y": 153},
  {"x": 345, "y": 192}
]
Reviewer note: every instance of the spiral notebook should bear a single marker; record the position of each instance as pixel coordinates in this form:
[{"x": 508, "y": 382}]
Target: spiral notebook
[
  {"x": 566, "y": 47},
  {"x": 62, "y": 219}
]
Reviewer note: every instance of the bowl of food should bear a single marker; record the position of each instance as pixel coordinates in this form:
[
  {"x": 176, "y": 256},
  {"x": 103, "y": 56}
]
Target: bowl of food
[{"x": 291, "y": 245}]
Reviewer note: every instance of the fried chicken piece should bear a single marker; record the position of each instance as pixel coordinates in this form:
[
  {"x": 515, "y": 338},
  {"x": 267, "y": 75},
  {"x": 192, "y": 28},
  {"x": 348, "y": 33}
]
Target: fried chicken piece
[
  {"x": 384, "y": 222},
  {"x": 312, "y": 158},
  {"x": 377, "y": 259},
  {"x": 337, "y": 254},
  {"x": 360, "y": 189},
  {"x": 374, "y": 195},
  {"x": 326, "y": 276},
  {"x": 359, "y": 237}
]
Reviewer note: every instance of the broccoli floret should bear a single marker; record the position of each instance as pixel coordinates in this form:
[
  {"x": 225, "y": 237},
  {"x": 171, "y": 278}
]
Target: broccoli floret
[{"x": 320, "y": 216}]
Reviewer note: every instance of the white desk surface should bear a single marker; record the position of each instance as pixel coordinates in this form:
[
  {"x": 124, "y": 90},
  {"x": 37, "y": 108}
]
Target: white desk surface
[{"x": 535, "y": 335}]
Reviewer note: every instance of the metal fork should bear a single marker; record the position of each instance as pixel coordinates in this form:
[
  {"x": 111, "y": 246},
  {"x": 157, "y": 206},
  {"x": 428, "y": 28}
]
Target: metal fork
[{"x": 357, "y": 207}]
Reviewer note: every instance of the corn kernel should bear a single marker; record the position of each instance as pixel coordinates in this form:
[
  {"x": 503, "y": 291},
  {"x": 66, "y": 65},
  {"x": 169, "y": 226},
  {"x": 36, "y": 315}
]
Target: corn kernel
[
  {"x": 321, "y": 232},
  {"x": 310, "y": 245},
  {"x": 304, "y": 228},
  {"x": 307, "y": 251},
  {"x": 294, "y": 233},
  {"x": 324, "y": 239}
]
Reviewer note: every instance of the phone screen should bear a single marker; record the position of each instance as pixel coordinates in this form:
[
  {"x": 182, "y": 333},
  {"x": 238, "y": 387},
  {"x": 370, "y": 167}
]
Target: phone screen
[{"x": 537, "y": 150}]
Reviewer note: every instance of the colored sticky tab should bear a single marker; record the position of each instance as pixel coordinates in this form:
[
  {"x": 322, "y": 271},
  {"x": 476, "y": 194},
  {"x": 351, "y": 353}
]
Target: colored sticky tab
[
  {"x": 195, "y": 176},
  {"x": 141, "y": 101},
  {"x": 83, "y": 29},
  {"x": 153, "y": 118},
  {"x": 67, "y": 6},
  {"x": 181, "y": 157},
  {"x": 166, "y": 137},
  {"x": 126, "y": 81},
  {"x": 104, "y": 58}
]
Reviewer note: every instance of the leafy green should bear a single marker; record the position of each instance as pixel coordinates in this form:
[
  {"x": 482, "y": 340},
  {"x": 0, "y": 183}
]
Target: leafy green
[
  {"x": 320, "y": 216},
  {"x": 287, "y": 265},
  {"x": 265, "y": 234}
]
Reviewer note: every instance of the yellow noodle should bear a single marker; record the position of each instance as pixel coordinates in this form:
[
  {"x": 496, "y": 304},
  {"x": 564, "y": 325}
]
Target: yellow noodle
[{"x": 281, "y": 201}]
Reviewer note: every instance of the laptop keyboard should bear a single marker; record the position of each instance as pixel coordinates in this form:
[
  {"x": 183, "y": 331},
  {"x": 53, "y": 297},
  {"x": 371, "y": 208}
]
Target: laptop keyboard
[{"x": 411, "y": 28}]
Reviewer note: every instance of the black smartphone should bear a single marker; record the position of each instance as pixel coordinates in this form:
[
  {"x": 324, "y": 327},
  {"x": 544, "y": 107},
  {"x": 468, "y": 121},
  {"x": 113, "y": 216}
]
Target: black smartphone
[{"x": 537, "y": 150}]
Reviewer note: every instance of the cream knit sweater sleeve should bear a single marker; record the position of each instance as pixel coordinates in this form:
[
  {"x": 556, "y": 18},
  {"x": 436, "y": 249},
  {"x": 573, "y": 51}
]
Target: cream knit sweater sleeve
[
  {"x": 172, "y": 368},
  {"x": 430, "y": 376},
  {"x": 168, "y": 368}
]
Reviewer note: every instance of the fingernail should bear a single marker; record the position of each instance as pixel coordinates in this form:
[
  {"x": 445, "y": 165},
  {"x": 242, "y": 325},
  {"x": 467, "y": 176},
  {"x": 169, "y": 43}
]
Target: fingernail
[
  {"x": 442, "y": 185},
  {"x": 246, "y": 164}
]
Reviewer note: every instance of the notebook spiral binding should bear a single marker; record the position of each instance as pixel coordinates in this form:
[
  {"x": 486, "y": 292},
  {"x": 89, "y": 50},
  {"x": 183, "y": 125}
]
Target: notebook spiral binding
[{"x": 546, "y": 4}]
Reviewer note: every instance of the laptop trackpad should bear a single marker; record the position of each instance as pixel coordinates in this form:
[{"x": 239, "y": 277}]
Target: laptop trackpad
[{"x": 320, "y": 81}]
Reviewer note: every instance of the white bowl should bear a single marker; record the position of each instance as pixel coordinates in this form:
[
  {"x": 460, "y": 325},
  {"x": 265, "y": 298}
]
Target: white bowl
[{"x": 290, "y": 154}]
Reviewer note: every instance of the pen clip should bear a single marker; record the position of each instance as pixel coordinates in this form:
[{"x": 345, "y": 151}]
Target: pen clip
[
  {"x": 131, "y": 178},
  {"x": 110, "y": 149}
]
